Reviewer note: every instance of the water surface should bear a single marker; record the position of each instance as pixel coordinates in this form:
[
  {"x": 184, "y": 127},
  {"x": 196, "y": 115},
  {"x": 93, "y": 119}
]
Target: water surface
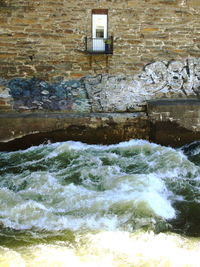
[{"x": 72, "y": 204}]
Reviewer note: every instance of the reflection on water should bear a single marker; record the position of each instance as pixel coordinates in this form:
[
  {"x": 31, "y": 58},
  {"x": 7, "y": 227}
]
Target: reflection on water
[{"x": 131, "y": 204}]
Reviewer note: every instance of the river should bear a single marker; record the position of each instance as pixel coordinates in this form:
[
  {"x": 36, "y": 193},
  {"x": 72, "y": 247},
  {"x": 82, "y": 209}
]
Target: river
[{"x": 71, "y": 204}]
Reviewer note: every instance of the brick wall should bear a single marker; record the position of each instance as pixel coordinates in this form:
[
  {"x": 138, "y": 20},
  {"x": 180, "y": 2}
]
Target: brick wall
[{"x": 45, "y": 39}]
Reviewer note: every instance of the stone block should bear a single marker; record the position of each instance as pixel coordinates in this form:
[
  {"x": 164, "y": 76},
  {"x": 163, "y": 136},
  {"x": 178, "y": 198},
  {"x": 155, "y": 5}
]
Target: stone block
[
  {"x": 7, "y": 55},
  {"x": 4, "y": 93},
  {"x": 193, "y": 3},
  {"x": 150, "y": 29},
  {"x": 5, "y": 103}
]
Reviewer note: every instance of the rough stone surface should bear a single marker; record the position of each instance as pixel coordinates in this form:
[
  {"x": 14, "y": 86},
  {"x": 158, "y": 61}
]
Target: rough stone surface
[
  {"x": 45, "y": 39},
  {"x": 174, "y": 122},
  {"x": 173, "y": 79},
  {"x": 184, "y": 112},
  {"x": 105, "y": 92},
  {"x": 34, "y": 94},
  {"x": 167, "y": 122}
]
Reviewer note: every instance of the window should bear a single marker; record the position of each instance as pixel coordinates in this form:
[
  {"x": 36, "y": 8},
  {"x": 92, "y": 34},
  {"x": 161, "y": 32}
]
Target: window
[
  {"x": 99, "y": 28},
  {"x": 99, "y": 42}
]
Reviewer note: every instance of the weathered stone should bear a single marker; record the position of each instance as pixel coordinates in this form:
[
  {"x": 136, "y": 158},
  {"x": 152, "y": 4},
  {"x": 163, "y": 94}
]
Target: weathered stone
[
  {"x": 21, "y": 108},
  {"x": 172, "y": 79},
  {"x": 4, "y": 92},
  {"x": 38, "y": 103},
  {"x": 112, "y": 93},
  {"x": 23, "y": 130},
  {"x": 174, "y": 122},
  {"x": 169, "y": 122},
  {"x": 45, "y": 92}
]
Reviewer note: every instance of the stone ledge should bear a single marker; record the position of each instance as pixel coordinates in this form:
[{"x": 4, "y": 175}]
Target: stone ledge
[
  {"x": 22, "y": 130},
  {"x": 177, "y": 101},
  {"x": 72, "y": 115}
]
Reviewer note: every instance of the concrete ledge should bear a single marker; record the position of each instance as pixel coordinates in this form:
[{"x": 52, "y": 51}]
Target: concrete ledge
[
  {"x": 71, "y": 115},
  {"x": 24, "y": 130},
  {"x": 176, "y": 102},
  {"x": 174, "y": 122}
]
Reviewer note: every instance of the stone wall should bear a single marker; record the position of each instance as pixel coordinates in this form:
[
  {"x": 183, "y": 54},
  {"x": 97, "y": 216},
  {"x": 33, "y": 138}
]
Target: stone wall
[
  {"x": 45, "y": 39},
  {"x": 104, "y": 92},
  {"x": 161, "y": 79},
  {"x": 36, "y": 95}
]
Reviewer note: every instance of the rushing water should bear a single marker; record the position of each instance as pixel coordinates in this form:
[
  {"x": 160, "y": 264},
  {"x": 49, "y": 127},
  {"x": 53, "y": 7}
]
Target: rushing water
[{"x": 72, "y": 204}]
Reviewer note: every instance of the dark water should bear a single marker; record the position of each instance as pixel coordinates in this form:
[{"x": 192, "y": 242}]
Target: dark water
[{"x": 131, "y": 204}]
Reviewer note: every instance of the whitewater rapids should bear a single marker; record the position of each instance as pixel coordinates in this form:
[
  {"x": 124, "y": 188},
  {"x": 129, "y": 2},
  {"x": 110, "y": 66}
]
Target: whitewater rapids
[{"x": 131, "y": 204}]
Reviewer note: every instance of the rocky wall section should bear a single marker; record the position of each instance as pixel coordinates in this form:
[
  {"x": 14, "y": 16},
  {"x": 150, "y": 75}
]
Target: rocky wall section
[
  {"x": 174, "y": 122},
  {"x": 36, "y": 95},
  {"x": 160, "y": 79},
  {"x": 46, "y": 39},
  {"x": 105, "y": 93}
]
